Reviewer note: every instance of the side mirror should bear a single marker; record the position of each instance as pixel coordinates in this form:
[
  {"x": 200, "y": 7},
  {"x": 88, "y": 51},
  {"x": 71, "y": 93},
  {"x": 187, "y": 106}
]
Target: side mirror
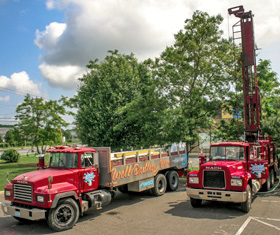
[{"x": 96, "y": 160}]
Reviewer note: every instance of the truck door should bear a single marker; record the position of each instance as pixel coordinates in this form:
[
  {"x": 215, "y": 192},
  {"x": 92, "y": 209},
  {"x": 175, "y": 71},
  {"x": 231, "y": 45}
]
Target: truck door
[
  {"x": 257, "y": 166},
  {"x": 89, "y": 173}
]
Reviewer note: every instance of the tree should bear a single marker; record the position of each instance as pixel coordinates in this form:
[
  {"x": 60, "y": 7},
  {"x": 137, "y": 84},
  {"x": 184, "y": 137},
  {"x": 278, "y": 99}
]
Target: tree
[
  {"x": 41, "y": 119},
  {"x": 228, "y": 130},
  {"x": 269, "y": 93},
  {"x": 271, "y": 123},
  {"x": 9, "y": 137},
  {"x": 67, "y": 134},
  {"x": 125, "y": 103},
  {"x": 270, "y": 102},
  {"x": 104, "y": 98},
  {"x": 193, "y": 76},
  {"x": 18, "y": 137}
]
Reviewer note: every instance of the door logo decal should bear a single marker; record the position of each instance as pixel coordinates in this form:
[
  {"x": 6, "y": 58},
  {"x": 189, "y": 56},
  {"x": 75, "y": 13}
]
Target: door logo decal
[
  {"x": 88, "y": 178},
  {"x": 258, "y": 169}
]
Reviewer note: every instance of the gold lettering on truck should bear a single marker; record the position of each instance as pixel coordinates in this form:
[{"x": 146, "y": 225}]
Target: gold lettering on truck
[{"x": 136, "y": 169}]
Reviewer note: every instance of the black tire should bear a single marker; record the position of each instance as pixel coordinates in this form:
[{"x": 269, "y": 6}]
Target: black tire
[
  {"x": 23, "y": 221},
  {"x": 172, "y": 180},
  {"x": 64, "y": 216},
  {"x": 246, "y": 206},
  {"x": 272, "y": 177},
  {"x": 123, "y": 188},
  {"x": 160, "y": 185},
  {"x": 267, "y": 185},
  {"x": 196, "y": 202}
]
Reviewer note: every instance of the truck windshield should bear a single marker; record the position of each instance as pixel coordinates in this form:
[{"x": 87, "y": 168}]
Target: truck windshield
[
  {"x": 227, "y": 152},
  {"x": 64, "y": 160}
]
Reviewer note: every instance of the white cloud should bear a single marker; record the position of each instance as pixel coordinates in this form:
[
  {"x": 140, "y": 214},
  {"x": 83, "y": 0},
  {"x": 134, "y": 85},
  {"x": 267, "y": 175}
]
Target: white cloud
[
  {"x": 48, "y": 39},
  {"x": 145, "y": 28},
  {"x": 21, "y": 83},
  {"x": 50, "y": 4},
  {"x": 5, "y": 99},
  {"x": 62, "y": 76}
]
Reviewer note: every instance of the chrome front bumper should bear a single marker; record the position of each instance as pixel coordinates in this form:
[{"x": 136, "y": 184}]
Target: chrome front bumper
[
  {"x": 216, "y": 195},
  {"x": 29, "y": 214}
]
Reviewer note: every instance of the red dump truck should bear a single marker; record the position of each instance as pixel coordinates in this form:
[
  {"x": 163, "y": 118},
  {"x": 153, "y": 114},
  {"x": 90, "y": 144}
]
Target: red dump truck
[
  {"x": 79, "y": 179},
  {"x": 237, "y": 170}
]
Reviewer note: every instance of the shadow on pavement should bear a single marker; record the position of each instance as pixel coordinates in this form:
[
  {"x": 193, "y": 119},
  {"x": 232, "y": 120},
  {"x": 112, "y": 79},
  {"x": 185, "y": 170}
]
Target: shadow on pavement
[{"x": 9, "y": 225}]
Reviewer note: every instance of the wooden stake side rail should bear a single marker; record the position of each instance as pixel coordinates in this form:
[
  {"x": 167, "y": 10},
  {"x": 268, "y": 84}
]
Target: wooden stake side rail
[
  {"x": 124, "y": 160},
  {"x": 129, "y": 168}
]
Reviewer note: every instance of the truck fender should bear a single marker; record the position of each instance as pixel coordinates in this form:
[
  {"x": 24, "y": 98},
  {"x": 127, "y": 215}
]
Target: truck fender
[{"x": 63, "y": 195}]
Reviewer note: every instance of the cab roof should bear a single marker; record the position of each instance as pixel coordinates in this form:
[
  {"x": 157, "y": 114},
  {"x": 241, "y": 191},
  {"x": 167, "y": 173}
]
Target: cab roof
[
  {"x": 234, "y": 143},
  {"x": 66, "y": 149}
]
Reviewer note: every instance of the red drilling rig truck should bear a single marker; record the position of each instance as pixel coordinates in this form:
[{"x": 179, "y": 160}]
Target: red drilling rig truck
[
  {"x": 79, "y": 179},
  {"x": 238, "y": 170}
]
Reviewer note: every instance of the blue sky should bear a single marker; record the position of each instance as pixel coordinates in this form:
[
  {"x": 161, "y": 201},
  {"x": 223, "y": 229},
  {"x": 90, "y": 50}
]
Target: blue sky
[
  {"x": 46, "y": 44},
  {"x": 18, "y": 22}
]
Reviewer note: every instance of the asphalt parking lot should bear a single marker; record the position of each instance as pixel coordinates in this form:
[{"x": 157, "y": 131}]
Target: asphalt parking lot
[{"x": 171, "y": 213}]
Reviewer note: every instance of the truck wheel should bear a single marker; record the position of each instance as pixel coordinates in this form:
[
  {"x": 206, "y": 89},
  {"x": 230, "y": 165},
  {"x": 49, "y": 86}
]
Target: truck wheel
[
  {"x": 172, "y": 180},
  {"x": 64, "y": 216},
  {"x": 267, "y": 185},
  {"x": 272, "y": 178},
  {"x": 196, "y": 202},
  {"x": 246, "y": 206},
  {"x": 160, "y": 185}
]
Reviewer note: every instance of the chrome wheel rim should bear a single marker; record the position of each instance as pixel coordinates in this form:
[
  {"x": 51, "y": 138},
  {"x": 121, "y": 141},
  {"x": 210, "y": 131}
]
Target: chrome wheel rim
[{"x": 64, "y": 214}]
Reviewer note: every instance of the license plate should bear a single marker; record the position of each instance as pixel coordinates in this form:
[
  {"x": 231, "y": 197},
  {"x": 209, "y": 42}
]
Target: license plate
[{"x": 17, "y": 214}]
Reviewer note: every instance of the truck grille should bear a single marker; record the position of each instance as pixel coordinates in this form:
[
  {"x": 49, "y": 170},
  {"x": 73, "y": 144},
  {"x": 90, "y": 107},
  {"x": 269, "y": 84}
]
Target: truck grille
[
  {"x": 214, "y": 179},
  {"x": 23, "y": 192}
]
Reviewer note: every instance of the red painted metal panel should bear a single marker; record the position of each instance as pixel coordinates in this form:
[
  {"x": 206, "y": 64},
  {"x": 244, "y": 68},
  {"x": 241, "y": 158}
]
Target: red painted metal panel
[{"x": 248, "y": 42}]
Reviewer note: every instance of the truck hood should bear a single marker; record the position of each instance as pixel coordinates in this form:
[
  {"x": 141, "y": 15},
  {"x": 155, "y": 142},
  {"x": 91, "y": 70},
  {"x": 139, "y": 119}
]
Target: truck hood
[
  {"x": 231, "y": 166},
  {"x": 40, "y": 177}
]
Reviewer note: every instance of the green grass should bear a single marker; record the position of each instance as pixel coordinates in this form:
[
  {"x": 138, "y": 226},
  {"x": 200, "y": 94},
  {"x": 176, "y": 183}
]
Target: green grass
[
  {"x": 24, "y": 164},
  {"x": 193, "y": 168}
]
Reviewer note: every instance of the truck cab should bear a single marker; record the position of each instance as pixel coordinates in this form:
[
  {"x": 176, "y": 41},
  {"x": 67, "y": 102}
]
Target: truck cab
[
  {"x": 83, "y": 164},
  {"x": 60, "y": 192}
]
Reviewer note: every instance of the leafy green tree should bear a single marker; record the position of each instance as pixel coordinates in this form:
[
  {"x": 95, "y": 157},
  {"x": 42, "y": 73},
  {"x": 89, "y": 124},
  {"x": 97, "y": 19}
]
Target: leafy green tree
[
  {"x": 67, "y": 134},
  {"x": 9, "y": 137},
  {"x": 18, "y": 137},
  {"x": 105, "y": 95},
  {"x": 125, "y": 103},
  {"x": 270, "y": 124},
  {"x": 228, "y": 130},
  {"x": 193, "y": 76},
  {"x": 269, "y": 87},
  {"x": 41, "y": 120},
  {"x": 269, "y": 93},
  {"x": 270, "y": 102}
]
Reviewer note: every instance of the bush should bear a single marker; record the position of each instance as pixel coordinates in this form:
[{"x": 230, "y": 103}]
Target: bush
[
  {"x": 10, "y": 155},
  {"x": 4, "y": 145}
]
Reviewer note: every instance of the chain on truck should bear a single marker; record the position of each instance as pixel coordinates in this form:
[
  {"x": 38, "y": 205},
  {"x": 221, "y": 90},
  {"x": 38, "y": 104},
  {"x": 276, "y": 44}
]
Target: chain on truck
[
  {"x": 238, "y": 170},
  {"x": 79, "y": 179}
]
